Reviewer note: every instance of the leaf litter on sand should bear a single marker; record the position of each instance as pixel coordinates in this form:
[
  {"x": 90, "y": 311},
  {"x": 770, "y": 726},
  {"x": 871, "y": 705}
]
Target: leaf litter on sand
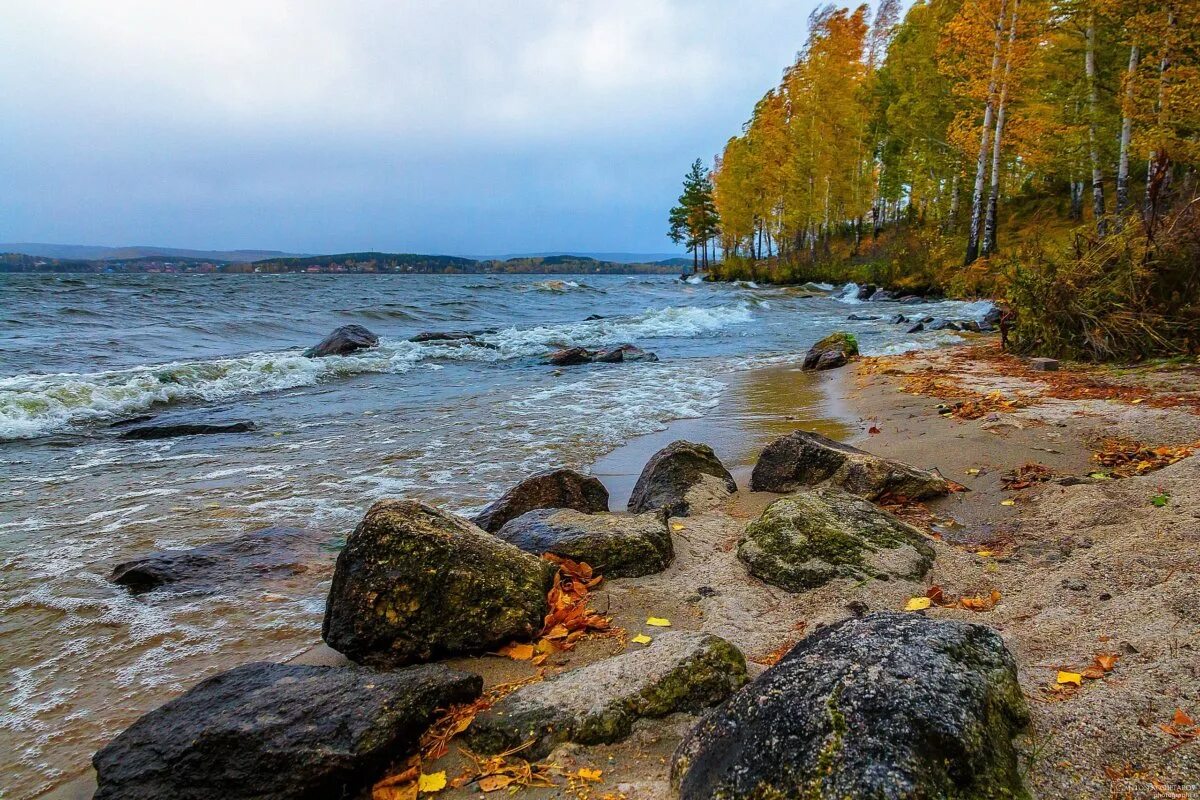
[
  {"x": 1125, "y": 458},
  {"x": 1068, "y": 681},
  {"x": 936, "y": 596},
  {"x": 1026, "y": 475}
]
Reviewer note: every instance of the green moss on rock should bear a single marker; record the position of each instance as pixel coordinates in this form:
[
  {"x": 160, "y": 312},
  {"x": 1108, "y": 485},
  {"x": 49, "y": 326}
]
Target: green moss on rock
[{"x": 805, "y": 540}]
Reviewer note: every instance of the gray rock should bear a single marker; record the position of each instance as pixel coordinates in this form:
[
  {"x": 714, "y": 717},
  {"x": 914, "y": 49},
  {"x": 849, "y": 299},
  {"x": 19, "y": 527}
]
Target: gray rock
[
  {"x": 897, "y": 319},
  {"x": 452, "y": 338},
  {"x": 671, "y": 472},
  {"x": 808, "y": 459},
  {"x": 911, "y": 300},
  {"x": 1044, "y": 364},
  {"x": 889, "y": 706},
  {"x": 598, "y": 703},
  {"x": 969, "y": 325},
  {"x": 862, "y": 317},
  {"x": 942, "y": 325},
  {"x": 615, "y": 545},
  {"x": 343, "y": 341},
  {"x": 278, "y": 731},
  {"x": 264, "y": 554},
  {"x": 620, "y": 353},
  {"x": 414, "y": 584},
  {"x": 807, "y": 539},
  {"x": 882, "y": 295},
  {"x": 841, "y": 344},
  {"x": 917, "y": 328},
  {"x": 556, "y": 488},
  {"x": 143, "y": 432},
  {"x": 866, "y": 290}
]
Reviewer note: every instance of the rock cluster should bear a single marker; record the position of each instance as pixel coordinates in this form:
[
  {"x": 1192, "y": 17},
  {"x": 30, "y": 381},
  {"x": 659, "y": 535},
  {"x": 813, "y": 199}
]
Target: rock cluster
[{"x": 573, "y": 356}]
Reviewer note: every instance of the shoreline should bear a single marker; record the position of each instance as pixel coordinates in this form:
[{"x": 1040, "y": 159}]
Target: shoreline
[{"x": 1081, "y": 568}]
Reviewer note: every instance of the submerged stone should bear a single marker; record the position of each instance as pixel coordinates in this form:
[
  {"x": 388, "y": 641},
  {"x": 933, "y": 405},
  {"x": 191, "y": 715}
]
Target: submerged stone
[
  {"x": 890, "y": 706},
  {"x": 598, "y": 703},
  {"x": 167, "y": 431},
  {"x": 807, "y": 539},
  {"x": 343, "y": 341},
  {"x": 278, "y": 731},
  {"x": 614, "y": 545},
  {"x": 414, "y": 583},
  {"x": 804, "y": 459}
]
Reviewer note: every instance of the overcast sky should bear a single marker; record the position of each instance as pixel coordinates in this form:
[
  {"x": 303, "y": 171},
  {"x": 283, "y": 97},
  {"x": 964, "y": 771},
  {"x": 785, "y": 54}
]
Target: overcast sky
[{"x": 470, "y": 127}]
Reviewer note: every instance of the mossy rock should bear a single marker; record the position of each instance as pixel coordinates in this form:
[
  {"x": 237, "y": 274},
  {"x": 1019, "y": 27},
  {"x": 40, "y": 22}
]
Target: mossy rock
[
  {"x": 615, "y": 545},
  {"x": 806, "y": 540},
  {"x": 598, "y": 703},
  {"x": 833, "y": 351},
  {"x": 890, "y": 705},
  {"x": 414, "y": 583}
]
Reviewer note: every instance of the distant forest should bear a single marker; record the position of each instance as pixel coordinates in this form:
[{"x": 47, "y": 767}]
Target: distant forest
[{"x": 358, "y": 263}]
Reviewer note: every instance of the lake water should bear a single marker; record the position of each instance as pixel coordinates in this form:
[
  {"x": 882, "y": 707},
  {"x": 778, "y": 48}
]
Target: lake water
[{"x": 450, "y": 425}]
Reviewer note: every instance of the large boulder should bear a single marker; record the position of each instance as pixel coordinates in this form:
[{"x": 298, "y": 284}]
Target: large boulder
[
  {"x": 615, "y": 545},
  {"x": 809, "y": 538},
  {"x": 264, "y": 554},
  {"x": 598, "y": 703},
  {"x": 414, "y": 583},
  {"x": 278, "y": 731},
  {"x": 671, "y": 472},
  {"x": 885, "y": 706},
  {"x": 832, "y": 351},
  {"x": 343, "y": 341},
  {"x": 807, "y": 459},
  {"x": 556, "y": 488}
]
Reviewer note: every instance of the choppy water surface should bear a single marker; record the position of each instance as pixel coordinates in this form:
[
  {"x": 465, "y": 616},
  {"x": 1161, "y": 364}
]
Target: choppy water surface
[{"x": 452, "y": 425}]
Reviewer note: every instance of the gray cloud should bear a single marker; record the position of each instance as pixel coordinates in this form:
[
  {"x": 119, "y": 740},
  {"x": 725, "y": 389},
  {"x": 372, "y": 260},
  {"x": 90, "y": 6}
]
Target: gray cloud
[{"x": 435, "y": 126}]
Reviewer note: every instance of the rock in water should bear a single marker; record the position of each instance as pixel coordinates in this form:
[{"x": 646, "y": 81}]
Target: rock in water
[
  {"x": 414, "y": 583},
  {"x": 807, "y": 459},
  {"x": 620, "y": 353},
  {"x": 832, "y": 351},
  {"x": 569, "y": 357},
  {"x": 343, "y": 341},
  {"x": 888, "y": 706},
  {"x": 143, "y": 432},
  {"x": 599, "y": 703},
  {"x": 615, "y": 545},
  {"x": 809, "y": 538},
  {"x": 671, "y": 472},
  {"x": 279, "y": 731},
  {"x": 267, "y": 553},
  {"x": 557, "y": 488}
]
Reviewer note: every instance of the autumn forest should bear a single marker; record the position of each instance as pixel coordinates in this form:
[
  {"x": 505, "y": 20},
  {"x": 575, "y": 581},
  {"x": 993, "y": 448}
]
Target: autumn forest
[{"x": 1043, "y": 152}]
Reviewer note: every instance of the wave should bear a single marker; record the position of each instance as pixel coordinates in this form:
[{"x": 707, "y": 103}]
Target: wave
[
  {"x": 37, "y": 405},
  {"x": 558, "y": 286}
]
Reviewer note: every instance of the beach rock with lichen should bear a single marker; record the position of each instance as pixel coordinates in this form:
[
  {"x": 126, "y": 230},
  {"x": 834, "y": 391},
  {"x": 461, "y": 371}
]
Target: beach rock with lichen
[
  {"x": 343, "y": 341},
  {"x": 280, "y": 731},
  {"x": 672, "y": 472},
  {"x": 556, "y": 488},
  {"x": 614, "y": 545},
  {"x": 807, "y": 539},
  {"x": 598, "y": 703},
  {"x": 833, "y": 351},
  {"x": 414, "y": 583},
  {"x": 804, "y": 459},
  {"x": 889, "y": 705}
]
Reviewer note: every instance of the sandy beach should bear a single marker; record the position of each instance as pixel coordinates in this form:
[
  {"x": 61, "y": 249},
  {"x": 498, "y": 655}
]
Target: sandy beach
[{"x": 1083, "y": 566}]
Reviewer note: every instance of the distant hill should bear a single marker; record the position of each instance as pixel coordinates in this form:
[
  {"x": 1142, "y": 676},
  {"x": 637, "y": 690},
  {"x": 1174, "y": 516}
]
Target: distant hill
[
  {"x": 615, "y": 258},
  {"x": 87, "y": 252}
]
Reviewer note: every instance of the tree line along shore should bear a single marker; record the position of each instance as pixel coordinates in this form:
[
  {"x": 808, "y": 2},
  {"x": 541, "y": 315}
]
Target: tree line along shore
[{"x": 1042, "y": 152}]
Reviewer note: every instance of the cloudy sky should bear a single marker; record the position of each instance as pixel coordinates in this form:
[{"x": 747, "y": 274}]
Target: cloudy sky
[{"x": 471, "y": 127}]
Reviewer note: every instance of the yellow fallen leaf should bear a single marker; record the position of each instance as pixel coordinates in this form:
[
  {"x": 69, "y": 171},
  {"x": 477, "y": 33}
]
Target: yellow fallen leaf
[
  {"x": 1135, "y": 402},
  {"x": 676, "y": 526},
  {"x": 492, "y": 783},
  {"x": 589, "y": 774},
  {"x": 517, "y": 652},
  {"x": 432, "y": 782},
  {"x": 641, "y": 638},
  {"x": 659, "y": 622},
  {"x": 973, "y": 471},
  {"x": 1070, "y": 677},
  {"x": 1008, "y": 502},
  {"x": 984, "y": 553},
  {"x": 917, "y": 604}
]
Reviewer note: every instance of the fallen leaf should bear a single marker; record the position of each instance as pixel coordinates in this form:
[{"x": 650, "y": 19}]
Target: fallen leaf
[
  {"x": 658, "y": 622},
  {"x": 589, "y": 774},
  {"x": 981, "y": 603},
  {"x": 973, "y": 471},
  {"x": 917, "y": 604},
  {"x": 492, "y": 783},
  {"x": 676, "y": 526},
  {"x": 873, "y": 430},
  {"x": 641, "y": 638},
  {"x": 432, "y": 782},
  {"x": 517, "y": 652},
  {"x": 1008, "y": 502},
  {"x": 935, "y": 595},
  {"x": 1070, "y": 677},
  {"x": 984, "y": 553},
  {"x": 1106, "y": 661}
]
